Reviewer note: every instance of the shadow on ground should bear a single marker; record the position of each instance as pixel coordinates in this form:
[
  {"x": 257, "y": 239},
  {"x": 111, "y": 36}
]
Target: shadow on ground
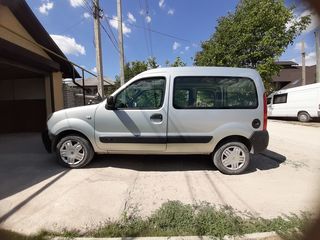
[
  {"x": 265, "y": 161},
  {"x": 24, "y": 163},
  {"x": 158, "y": 163}
]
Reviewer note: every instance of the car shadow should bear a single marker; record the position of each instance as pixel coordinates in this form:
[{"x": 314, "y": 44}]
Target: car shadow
[
  {"x": 159, "y": 163},
  {"x": 266, "y": 160}
]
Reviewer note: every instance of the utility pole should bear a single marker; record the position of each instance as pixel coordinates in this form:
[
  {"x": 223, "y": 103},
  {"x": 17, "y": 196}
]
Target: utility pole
[
  {"x": 97, "y": 40},
  {"x": 120, "y": 40},
  {"x": 317, "y": 35},
  {"x": 303, "y": 54}
]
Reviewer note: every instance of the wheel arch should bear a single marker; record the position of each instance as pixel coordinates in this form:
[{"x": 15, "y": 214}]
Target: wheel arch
[
  {"x": 237, "y": 138},
  {"x": 68, "y": 132}
]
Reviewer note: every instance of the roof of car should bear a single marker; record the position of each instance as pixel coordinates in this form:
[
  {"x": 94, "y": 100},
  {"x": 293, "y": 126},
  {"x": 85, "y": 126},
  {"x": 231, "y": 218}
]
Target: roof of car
[{"x": 203, "y": 71}]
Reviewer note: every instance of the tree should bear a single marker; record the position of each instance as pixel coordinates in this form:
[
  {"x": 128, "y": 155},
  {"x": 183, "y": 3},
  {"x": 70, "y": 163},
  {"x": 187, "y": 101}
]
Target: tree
[
  {"x": 133, "y": 68},
  {"x": 254, "y": 36},
  {"x": 177, "y": 63}
]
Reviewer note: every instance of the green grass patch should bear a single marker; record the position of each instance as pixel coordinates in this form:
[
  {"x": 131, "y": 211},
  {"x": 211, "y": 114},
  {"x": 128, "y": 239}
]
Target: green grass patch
[{"x": 177, "y": 219}]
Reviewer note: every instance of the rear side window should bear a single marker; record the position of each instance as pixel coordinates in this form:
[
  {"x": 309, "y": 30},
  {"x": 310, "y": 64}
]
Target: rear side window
[
  {"x": 214, "y": 93},
  {"x": 280, "y": 98}
]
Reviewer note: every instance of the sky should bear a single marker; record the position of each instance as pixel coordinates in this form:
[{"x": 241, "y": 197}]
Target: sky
[{"x": 177, "y": 28}]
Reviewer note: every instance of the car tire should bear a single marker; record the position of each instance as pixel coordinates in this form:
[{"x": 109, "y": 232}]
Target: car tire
[
  {"x": 304, "y": 117},
  {"x": 231, "y": 158},
  {"x": 74, "y": 151}
]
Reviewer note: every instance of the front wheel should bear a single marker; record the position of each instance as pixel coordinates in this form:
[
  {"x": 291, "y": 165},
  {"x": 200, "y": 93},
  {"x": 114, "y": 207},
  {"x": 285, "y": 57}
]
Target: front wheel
[
  {"x": 74, "y": 151},
  {"x": 304, "y": 117},
  {"x": 232, "y": 158}
]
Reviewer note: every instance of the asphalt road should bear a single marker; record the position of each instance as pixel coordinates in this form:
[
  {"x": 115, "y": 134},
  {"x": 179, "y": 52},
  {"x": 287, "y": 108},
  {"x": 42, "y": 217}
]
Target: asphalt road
[{"x": 37, "y": 193}]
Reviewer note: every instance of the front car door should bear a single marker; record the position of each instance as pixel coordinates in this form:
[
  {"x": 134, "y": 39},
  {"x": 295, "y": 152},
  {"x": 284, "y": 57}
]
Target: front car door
[{"x": 139, "y": 122}]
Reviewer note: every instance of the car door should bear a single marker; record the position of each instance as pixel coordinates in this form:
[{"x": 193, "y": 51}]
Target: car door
[{"x": 139, "y": 121}]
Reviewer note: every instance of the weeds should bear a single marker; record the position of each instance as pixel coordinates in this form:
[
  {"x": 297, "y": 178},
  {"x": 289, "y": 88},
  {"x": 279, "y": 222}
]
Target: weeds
[{"x": 176, "y": 219}]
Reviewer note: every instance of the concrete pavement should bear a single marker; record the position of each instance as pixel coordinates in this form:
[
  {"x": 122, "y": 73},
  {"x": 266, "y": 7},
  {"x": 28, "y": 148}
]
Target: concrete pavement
[{"x": 37, "y": 193}]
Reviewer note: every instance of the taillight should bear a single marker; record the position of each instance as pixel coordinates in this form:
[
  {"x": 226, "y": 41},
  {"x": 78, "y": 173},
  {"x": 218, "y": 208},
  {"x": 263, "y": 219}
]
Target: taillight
[{"x": 265, "y": 116}]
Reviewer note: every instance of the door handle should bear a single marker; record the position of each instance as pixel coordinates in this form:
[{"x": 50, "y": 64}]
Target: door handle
[{"x": 156, "y": 116}]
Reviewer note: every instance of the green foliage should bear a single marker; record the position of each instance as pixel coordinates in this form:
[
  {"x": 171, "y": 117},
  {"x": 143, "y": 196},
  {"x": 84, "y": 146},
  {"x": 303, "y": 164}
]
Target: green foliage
[
  {"x": 174, "y": 218},
  {"x": 254, "y": 36},
  {"x": 177, "y": 63},
  {"x": 133, "y": 68}
]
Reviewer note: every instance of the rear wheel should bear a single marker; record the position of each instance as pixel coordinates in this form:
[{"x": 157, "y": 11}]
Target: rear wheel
[
  {"x": 74, "y": 151},
  {"x": 232, "y": 158},
  {"x": 304, "y": 117}
]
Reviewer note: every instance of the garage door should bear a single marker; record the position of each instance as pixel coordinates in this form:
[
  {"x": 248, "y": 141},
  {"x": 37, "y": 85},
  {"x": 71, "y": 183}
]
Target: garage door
[{"x": 22, "y": 105}]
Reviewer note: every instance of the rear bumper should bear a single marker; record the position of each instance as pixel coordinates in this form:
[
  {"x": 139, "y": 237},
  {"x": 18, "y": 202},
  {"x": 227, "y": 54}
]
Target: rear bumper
[
  {"x": 259, "y": 141},
  {"x": 46, "y": 141}
]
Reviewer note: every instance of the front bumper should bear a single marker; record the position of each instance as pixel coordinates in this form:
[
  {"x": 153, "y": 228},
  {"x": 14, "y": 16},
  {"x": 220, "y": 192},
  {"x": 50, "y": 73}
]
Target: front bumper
[
  {"x": 46, "y": 141},
  {"x": 259, "y": 141}
]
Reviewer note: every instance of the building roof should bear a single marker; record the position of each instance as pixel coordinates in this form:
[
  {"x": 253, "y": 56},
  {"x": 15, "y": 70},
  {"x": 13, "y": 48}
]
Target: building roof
[
  {"x": 294, "y": 75},
  {"x": 29, "y": 21},
  {"x": 286, "y": 63},
  {"x": 92, "y": 81}
]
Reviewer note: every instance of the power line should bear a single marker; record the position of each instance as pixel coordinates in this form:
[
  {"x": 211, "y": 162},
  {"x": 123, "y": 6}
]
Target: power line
[
  {"x": 154, "y": 31},
  {"x": 110, "y": 38},
  {"x": 149, "y": 26},
  {"x": 110, "y": 28},
  {"x": 144, "y": 29}
]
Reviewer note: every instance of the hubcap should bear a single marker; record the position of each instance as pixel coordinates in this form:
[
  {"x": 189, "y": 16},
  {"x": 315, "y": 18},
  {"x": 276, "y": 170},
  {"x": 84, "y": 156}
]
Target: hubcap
[
  {"x": 72, "y": 152},
  {"x": 303, "y": 117},
  {"x": 233, "y": 158}
]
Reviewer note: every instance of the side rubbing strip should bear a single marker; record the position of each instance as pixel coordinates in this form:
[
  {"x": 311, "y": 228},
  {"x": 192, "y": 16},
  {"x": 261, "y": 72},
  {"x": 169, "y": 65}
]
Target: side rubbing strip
[
  {"x": 189, "y": 139},
  {"x": 157, "y": 140}
]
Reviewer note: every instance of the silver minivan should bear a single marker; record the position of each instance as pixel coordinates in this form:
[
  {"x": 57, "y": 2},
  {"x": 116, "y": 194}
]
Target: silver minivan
[{"x": 217, "y": 111}]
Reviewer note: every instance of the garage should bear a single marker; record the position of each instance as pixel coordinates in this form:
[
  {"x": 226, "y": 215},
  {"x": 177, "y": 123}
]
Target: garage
[{"x": 32, "y": 68}]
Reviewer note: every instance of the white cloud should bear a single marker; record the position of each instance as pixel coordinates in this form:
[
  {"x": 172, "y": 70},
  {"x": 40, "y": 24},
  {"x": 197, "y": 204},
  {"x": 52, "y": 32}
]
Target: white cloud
[
  {"x": 131, "y": 18},
  {"x": 77, "y": 3},
  {"x": 187, "y": 48},
  {"x": 194, "y": 45},
  {"x": 176, "y": 45},
  {"x": 148, "y": 19},
  {"x": 45, "y": 7},
  {"x": 311, "y": 58},
  {"x": 315, "y": 21},
  {"x": 162, "y": 4},
  {"x": 114, "y": 23},
  {"x": 68, "y": 45},
  {"x": 170, "y": 11},
  {"x": 298, "y": 45},
  {"x": 181, "y": 52},
  {"x": 86, "y": 15},
  {"x": 142, "y": 12},
  {"x": 94, "y": 69}
]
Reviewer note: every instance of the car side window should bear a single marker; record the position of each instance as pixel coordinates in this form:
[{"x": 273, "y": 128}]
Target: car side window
[
  {"x": 142, "y": 94},
  {"x": 214, "y": 93}
]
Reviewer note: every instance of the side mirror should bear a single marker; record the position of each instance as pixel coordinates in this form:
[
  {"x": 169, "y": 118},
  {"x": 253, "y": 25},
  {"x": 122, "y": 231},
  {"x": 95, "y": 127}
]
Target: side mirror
[{"x": 110, "y": 103}]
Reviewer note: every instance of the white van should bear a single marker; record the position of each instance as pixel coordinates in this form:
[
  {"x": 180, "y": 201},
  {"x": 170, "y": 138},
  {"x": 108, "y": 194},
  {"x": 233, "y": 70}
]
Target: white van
[
  {"x": 301, "y": 102},
  {"x": 221, "y": 112}
]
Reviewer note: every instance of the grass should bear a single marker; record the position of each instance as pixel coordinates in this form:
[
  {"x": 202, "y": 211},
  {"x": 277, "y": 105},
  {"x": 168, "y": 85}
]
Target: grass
[{"x": 176, "y": 219}]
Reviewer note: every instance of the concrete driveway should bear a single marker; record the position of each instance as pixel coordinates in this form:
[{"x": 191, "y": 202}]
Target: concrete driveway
[{"x": 36, "y": 193}]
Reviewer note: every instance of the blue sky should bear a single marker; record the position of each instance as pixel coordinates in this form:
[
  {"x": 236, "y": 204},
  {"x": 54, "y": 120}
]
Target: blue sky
[{"x": 188, "y": 22}]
